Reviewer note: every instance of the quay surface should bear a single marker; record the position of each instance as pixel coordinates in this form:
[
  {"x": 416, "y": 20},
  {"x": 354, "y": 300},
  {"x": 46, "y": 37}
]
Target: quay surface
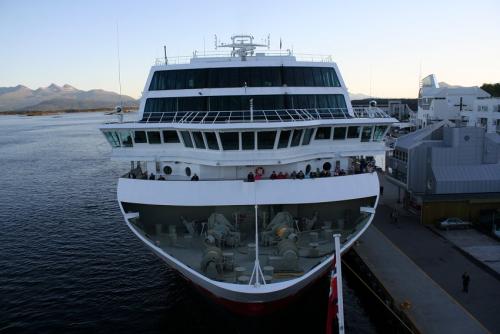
[{"x": 418, "y": 266}]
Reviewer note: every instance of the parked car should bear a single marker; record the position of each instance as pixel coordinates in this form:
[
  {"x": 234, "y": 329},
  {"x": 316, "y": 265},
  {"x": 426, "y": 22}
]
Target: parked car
[{"x": 453, "y": 223}]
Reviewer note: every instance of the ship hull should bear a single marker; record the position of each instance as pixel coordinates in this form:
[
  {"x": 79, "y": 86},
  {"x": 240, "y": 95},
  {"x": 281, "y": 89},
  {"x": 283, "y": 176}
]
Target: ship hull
[{"x": 244, "y": 298}]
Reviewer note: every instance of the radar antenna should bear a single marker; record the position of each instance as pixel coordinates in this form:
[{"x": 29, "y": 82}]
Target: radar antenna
[{"x": 242, "y": 45}]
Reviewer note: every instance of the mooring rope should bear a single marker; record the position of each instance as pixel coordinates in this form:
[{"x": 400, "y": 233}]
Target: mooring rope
[{"x": 378, "y": 297}]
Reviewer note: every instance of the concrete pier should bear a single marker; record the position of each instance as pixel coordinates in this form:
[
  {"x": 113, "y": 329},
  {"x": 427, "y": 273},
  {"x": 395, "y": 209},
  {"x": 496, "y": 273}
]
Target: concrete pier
[
  {"x": 431, "y": 309},
  {"x": 424, "y": 268}
]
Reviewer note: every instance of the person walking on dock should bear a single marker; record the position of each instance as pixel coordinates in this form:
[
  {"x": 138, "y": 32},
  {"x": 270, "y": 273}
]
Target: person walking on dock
[{"x": 465, "y": 282}]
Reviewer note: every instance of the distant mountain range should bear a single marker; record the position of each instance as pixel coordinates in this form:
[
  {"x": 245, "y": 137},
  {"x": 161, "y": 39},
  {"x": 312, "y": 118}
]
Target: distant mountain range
[
  {"x": 54, "y": 97},
  {"x": 356, "y": 96}
]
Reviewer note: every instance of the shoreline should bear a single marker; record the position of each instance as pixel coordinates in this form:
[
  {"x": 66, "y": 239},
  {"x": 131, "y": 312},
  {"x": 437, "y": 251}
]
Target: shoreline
[{"x": 62, "y": 111}]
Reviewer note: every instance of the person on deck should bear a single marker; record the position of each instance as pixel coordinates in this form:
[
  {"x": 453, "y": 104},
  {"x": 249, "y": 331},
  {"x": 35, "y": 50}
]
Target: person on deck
[
  {"x": 250, "y": 177},
  {"x": 465, "y": 282}
]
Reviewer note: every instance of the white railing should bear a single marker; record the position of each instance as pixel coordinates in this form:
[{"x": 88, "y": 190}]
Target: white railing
[
  {"x": 218, "y": 54},
  {"x": 258, "y": 116}
]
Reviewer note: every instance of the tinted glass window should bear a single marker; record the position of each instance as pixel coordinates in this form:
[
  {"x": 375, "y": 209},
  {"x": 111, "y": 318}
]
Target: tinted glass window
[
  {"x": 187, "y": 139},
  {"x": 212, "y": 140},
  {"x": 323, "y": 133},
  {"x": 339, "y": 133},
  {"x": 173, "y": 109},
  {"x": 265, "y": 140},
  {"x": 126, "y": 138},
  {"x": 229, "y": 140},
  {"x": 353, "y": 132},
  {"x": 307, "y": 136},
  {"x": 366, "y": 134},
  {"x": 154, "y": 137},
  {"x": 170, "y": 137},
  {"x": 238, "y": 76},
  {"x": 113, "y": 138},
  {"x": 248, "y": 140},
  {"x": 140, "y": 137},
  {"x": 296, "y": 137},
  {"x": 198, "y": 139},
  {"x": 379, "y": 132},
  {"x": 284, "y": 138}
]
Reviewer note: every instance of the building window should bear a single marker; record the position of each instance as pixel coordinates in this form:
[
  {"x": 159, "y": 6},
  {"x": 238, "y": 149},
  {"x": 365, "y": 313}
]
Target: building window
[
  {"x": 154, "y": 137},
  {"x": 170, "y": 137},
  {"x": 353, "y": 132},
  {"x": 248, "y": 140},
  {"x": 140, "y": 137},
  {"x": 284, "y": 138},
  {"x": 297, "y": 134},
  {"x": 307, "y": 136},
  {"x": 339, "y": 133},
  {"x": 229, "y": 140},
  {"x": 366, "y": 134},
  {"x": 323, "y": 133},
  {"x": 212, "y": 140},
  {"x": 187, "y": 139},
  {"x": 198, "y": 140},
  {"x": 265, "y": 140}
]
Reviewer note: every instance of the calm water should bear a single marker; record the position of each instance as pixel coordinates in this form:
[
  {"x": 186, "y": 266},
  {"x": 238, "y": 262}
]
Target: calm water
[{"x": 69, "y": 264}]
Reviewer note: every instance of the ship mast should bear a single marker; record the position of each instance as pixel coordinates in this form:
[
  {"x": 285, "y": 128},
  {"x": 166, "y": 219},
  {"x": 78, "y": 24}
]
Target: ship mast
[{"x": 242, "y": 45}]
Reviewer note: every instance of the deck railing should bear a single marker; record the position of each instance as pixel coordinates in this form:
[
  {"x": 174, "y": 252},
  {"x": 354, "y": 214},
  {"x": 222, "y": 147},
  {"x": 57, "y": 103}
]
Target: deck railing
[
  {"x": 222, "y": 55},
  {"x": 260, "y": 116}
]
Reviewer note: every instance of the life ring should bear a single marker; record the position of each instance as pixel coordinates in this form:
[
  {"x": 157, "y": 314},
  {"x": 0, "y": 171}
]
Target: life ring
[{"x": 259, "y": 171}]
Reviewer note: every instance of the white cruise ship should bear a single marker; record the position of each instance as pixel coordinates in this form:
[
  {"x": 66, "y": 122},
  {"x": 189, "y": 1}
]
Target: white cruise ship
[{"x": 243, "y": 166}]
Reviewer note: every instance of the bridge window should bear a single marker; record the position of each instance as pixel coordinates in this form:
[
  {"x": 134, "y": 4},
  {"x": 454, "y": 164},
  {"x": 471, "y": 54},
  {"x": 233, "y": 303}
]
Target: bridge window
[
  {"x": 113, "y": 138},
  {"x": 126, "y": 138},
  {"x": 378, "y": 134},
  {"x": 297, "y": 134},
  {"x": 198, "y": 140},
  {"x": 154, "y": 137},
  {"x": 353, "y": 132},
  {"x": 187, "y": 139},
  {"x": 307, "y": 136},
  {"x": 140, "y": 137},
  {"x": 212, "y": 140},
  {"x": 170, "y": 136},
  {"x": 248, "y": 140},
  {"x": 265, "y": 140},
  {"x": 339, "y": 133},
  {"x": 323, "y": 133},
  {"x": 284, "y": 138},
  {"x": 366, "y": 134},
  {"x": 229, "y": 140}
]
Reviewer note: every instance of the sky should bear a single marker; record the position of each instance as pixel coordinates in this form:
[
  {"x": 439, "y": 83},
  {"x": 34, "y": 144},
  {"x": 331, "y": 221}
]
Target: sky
[{"x": 381, "y": 47}]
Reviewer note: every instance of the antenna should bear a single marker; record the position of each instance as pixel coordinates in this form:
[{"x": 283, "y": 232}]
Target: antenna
[
  {"x": 119, "y": 65},
  {"x": 215, "y": 37},
  {"x": 371, "y": 80},
  {"x": 165, "y": 54}
]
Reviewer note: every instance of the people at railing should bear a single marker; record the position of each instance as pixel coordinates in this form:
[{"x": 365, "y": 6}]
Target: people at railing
[
  {"x": 250, "y": 177},
  {"x": 357, "y": 167}
]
